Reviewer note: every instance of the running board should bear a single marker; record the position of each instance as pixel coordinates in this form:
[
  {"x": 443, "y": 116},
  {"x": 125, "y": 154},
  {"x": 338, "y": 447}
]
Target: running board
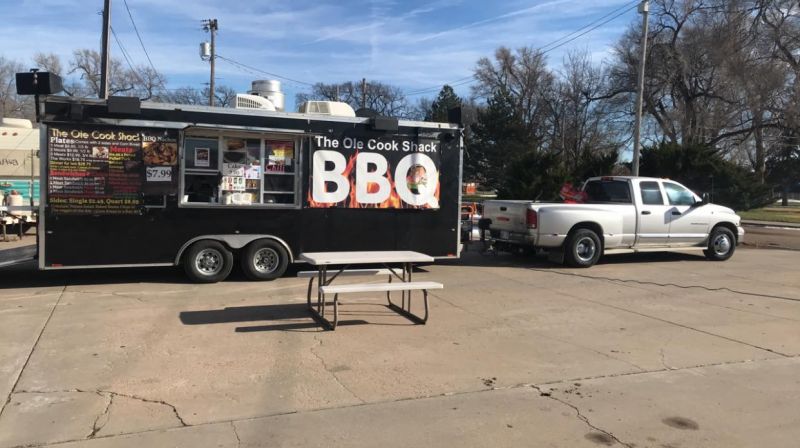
[{"x": 650, "y": 249}]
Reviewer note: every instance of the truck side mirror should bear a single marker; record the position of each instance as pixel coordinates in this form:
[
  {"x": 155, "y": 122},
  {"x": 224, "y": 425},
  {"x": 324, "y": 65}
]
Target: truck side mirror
[{"x": 706, "y": 198}]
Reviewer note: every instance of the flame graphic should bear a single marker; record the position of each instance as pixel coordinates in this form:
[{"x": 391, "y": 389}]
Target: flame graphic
[{"x": 393, "y": 201}]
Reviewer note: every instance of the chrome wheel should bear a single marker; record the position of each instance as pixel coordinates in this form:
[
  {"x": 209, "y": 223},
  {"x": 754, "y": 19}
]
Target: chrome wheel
[
  {"x": 585, "y": 249},
  {"x": 721, "y": 244},
  {"x": 209, "y": 262},
  {"x": 266, "y": 260}
]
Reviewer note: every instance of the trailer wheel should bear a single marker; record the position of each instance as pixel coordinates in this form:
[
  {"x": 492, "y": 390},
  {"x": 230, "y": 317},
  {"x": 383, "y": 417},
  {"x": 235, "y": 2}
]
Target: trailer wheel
[
  {"x": 207, "y": 262},
  {"x": 264, "y": 260},
  {"x": 583, "y": 249}
]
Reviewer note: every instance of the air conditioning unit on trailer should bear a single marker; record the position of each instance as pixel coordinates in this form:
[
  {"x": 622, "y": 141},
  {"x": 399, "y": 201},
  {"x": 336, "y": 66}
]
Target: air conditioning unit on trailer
[
  {"x": 245, "y": 101},
  {"x": 334, "y": 108}
]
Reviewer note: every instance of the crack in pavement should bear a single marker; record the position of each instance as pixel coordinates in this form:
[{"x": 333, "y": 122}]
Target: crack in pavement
[
  {"x": 643, "y": 282},
  {"x": 333, "y": 374},
  {"x": 580, "y": 416},
  {"x": 106, "y": 411},
  {"x": 111, "y": 394},
  {"x": 648, "y": 316},
  {"x": 33, "y": 348},
  {"x": 236, "y": 433}
]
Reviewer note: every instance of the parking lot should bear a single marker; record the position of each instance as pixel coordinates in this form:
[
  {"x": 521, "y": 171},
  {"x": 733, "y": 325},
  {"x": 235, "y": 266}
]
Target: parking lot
[{"x": 653, "y": 350}]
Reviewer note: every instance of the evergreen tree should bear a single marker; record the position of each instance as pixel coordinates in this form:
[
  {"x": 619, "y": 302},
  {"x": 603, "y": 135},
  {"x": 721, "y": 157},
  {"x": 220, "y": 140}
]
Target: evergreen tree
[{"x": 446, "y": 100}]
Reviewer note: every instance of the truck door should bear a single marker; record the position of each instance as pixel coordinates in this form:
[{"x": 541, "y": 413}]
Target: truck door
[
  {"x": 687, "y": 226},
  {"x": 654, "y": 215}
]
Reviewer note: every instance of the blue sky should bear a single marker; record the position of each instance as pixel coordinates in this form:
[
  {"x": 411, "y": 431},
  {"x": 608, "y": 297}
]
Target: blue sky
[{"x": 413, "y": 44}]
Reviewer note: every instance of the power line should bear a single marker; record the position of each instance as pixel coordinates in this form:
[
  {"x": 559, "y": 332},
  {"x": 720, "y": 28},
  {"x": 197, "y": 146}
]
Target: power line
[
  {"x": 264, "y": 72},
  {"x": 593, "y": 28},
  {"x": 623, "y": 7},
  {"x": 139, "y": 36},
  {"x": 618, "y": 12},
  {"x": 125, "y": 54}
]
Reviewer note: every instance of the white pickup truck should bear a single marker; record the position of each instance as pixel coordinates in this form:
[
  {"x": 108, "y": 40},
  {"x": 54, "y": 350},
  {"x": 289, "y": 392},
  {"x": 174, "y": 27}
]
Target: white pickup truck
[{"x": 620, "y": 214}]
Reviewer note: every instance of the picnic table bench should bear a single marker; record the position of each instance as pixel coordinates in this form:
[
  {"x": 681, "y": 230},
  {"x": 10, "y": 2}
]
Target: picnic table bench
[{"x": 322, "y": 260}]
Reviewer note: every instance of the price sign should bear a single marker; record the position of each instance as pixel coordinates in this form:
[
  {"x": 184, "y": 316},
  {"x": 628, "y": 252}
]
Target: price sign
[{"x": 159, "y": 174}]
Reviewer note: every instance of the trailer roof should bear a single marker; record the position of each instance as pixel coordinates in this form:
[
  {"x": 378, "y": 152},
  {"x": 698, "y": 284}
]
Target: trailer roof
[{"x": 254, "y": 112}]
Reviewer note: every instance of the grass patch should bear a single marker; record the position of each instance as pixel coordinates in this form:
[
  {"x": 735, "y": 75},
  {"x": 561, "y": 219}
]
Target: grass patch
[{"x": 778, "y": 214}]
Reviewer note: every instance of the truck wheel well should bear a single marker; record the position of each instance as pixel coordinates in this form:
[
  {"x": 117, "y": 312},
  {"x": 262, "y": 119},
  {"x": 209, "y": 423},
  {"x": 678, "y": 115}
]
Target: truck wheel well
[
  {"x": 729, "y": 226},
  {"x": 593, "y": 226}
]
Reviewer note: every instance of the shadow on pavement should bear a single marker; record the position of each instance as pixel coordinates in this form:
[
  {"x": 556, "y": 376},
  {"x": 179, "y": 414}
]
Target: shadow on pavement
[
  {"x": 278, "y": 312},
  {"x": 474, "y": 256}
]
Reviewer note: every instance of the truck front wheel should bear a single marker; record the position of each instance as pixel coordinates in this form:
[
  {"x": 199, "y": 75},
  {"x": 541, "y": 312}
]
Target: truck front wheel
[
  {"x": 582, "y": 249},
  {"x": 207, "y": 262},
  {"x": 264, "y": 260},
  {"x": 721, "y": 244}
]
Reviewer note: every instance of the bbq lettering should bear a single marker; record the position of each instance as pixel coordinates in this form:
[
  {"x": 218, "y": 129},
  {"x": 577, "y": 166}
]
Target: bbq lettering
[{"x": 372, "y": 185}]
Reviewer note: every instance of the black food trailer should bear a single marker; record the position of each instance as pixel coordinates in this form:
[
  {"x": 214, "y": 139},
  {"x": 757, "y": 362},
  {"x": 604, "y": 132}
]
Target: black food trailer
[{"x": 127, "y": 184}]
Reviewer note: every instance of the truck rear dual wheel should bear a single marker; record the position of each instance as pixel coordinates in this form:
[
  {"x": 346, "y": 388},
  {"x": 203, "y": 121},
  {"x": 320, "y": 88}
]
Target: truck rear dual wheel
[
  {"x": 264, "y": 260},
  {"x": 582, "y": 249},
  {"x": 207, "y": 262},
  {"x": 721, "y": 244}
]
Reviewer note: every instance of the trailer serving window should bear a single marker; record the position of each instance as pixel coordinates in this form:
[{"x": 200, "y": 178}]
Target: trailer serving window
[{"x": 240, "y": 170}]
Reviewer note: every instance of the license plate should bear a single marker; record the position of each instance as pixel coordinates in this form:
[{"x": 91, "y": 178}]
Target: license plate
[{"x": 504, "y": 235}]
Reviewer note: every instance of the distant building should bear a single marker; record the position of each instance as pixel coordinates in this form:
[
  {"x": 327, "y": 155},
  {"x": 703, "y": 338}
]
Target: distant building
[{"x": 19, "y": 158}]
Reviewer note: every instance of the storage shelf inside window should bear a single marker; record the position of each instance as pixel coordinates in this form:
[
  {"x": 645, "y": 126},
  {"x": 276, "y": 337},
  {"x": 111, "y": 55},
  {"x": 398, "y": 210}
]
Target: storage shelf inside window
[{"x": 240, "y": 171}]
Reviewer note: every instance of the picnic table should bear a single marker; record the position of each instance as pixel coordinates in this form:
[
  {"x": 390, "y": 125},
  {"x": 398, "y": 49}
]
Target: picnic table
[
  {"x": 343, "y": 260},
  {"x": 8, "y": 217}
]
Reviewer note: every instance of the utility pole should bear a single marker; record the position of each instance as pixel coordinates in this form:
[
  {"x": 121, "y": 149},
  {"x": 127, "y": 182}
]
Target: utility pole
[
  {"x": 105, "y": 57},
  {"x": 644, "y": 10},
  {"x": 363, "y": 93},
  {"x": 210, "y": 25}
]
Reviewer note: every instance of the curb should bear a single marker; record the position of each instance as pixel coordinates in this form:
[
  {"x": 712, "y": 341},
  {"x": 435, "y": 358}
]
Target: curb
[{"x": 792, "y": 225}]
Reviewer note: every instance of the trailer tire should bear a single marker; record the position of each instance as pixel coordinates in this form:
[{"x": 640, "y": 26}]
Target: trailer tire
[
  {"x": 582, "y": 249},
  {"x": 264, "y": 260},
  {"x": 207, "y": 261},
  {"x": 721, "y": 244}
]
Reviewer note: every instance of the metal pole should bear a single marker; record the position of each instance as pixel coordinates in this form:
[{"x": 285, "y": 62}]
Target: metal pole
[
  {"x": 363, "y": 93},
  {"x": 644, "y": 9},
  {"x": 212, "y": 26},
  {"x": 105, "y": 57}
]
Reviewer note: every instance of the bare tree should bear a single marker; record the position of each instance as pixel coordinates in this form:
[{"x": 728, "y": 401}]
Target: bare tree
[
  {"x": 582, "y": 124},
  {"x": 528, "y": 81},
  {"x": 11, "y": 104},
  {"x": 141, "y": 81},
  {"x": 384, "y": 98}
]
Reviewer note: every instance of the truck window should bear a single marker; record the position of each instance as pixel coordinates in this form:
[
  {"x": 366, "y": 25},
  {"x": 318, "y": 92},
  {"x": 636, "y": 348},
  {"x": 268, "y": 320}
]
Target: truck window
[
  {"x": 608, "y": 191},
  {"x": 678, "y": 195},
  {"x": 239, "y": 171},
  {"x": 651, "y": 193}
]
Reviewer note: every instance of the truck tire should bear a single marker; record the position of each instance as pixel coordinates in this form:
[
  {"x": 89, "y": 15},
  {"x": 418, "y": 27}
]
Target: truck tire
[
  {"x": 721, "y": 244},
  {"x": 207, "y": 261},
  {"x": 264, "y": 260},
  {"x": 582, "y": 249}
]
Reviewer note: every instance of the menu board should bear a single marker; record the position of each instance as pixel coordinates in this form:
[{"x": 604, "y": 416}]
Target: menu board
[{"x": 108, "y": 170}]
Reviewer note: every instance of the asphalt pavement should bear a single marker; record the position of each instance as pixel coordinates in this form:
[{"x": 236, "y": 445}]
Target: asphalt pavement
[{"x": 644, "y": 350}]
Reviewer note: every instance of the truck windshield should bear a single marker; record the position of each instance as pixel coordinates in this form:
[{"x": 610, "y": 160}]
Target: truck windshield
[{"x": 608, "y": 191}]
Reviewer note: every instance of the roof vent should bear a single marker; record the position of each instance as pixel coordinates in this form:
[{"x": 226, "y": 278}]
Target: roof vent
[
  {"x": 245, "y": 101},
  {"x": 333, "y": 108},
  {"x": 16, "y": 123}
]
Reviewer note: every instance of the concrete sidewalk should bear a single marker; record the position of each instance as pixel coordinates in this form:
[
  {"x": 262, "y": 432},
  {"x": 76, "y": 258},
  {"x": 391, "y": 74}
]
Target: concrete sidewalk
[{"x": 647, "y": 350}]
